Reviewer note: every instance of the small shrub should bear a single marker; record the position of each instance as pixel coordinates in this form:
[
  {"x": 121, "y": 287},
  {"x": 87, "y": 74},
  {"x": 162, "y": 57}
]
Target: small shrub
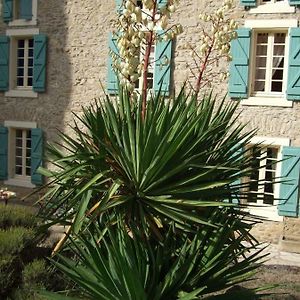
[
  {"x": 13, "y": 240},
  {"x": 14, "y": 216},
  {"x": 6, "y": 273},
  {"x": 35, "y": 274}
]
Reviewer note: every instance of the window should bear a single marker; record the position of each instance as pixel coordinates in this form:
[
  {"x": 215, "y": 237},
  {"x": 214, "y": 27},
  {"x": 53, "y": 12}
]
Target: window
[
  {"x": 150, "y": 74},
  {"x": 263, "y": 191},
  {"x": 270, "y": 1},
  {"x": 20, "y": 12},
  {"x": 23, "y": 68},
  {"x": 21, "y": 151},
  {"x": 265, "y": 65},
  {"x": 269, "y": 75},
  {"x": 272, "y": 6}
]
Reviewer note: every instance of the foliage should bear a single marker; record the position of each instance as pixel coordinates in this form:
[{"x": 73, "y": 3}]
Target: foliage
[
  {"x": 168, "y": 168},
  {"x": 14, "y": 215},
  {"x": 125, "y": 266}
]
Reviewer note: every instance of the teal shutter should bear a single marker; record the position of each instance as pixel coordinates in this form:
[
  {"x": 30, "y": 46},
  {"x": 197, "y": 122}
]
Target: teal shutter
[
  {"x": 119, "y": 6},
  {"x": 36, "y": 155},
  {"x": 7, "y": 10},
  {"x": 293, "y": 88},
  {"x": 112, "y": 79},
  {"x": 161, "y": 3},
  {"x": 4, "y": 63},
  {"x": 289, "y": 189},
  {"x": 26, "y": 9},
  {"x": 3, "y": 152},
  {"x": 294, "y": 2},
  {"x": 162, "y": 68},
  {"x": 39, "y": 63},
  {"x": 248, "y": 2},
  {"x": 239, "y": 67}
]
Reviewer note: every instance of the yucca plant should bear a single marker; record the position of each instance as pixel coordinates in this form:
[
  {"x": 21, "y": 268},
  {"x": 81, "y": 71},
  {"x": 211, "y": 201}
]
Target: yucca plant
[
  {"x": 122, "y": 266},
  {"x": 185, "y": 156}
]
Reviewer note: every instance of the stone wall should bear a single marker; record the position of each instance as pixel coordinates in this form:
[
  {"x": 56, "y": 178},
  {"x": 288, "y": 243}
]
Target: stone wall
[{"x": 77, "y": 63}]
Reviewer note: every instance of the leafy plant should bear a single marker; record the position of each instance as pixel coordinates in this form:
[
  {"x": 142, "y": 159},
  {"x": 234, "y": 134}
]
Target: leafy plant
[
  {"x": 123, "y": 266},
  {"x": 185, "y": 156}
]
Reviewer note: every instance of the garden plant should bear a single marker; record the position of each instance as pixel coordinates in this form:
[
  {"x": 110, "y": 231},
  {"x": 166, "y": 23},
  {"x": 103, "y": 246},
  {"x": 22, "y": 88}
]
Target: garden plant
[{"x": 149, "y": 185}]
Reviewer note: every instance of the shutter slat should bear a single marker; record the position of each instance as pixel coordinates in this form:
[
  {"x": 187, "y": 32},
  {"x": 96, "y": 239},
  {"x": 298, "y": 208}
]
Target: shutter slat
[
  {"x": 162, "y": 68},
  {"x": 7, "y": 10},
  {"x": 40, "y": 60},
  {"x": 3, "y": 152},
  {"x": 112, "y": 79},
  {"x": 4, "y": 63},
  {"x": 289, "y": 188},
  {"x": 294, "y": 2},
  {"x": 26, "y": 9},
  {"x": 293, "y": 88},
  {"x": 161, "y": 3},
  {"x": 250, "y": 3},
  {"x": 36, "y": 155},
  {"x": 239, "y": 67}
]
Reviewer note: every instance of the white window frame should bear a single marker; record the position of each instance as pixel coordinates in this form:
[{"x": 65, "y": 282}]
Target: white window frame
[
  {"x": 14, "y": 35},
  {"x": 21, "y": 22},
  {"x": 275, "y": 25},
  {"x": 269, "y": 212},
  {"x": 22, "y": 181},
  {"x": 273, "y": 8}
]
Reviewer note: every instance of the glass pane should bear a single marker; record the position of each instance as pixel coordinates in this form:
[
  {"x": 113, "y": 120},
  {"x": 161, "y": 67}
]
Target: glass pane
[
  {"x": 30, "y": 72},
  {"x": 30, "y": 62},
  {"x": 29, "y": 81},
  {"x": 277, "y": 74},
  {"x": 261, "y": 61},
  {"x": 276, "y": 86},
  {"x": 18, "y": 170},
  {"x": 279, "y": 38},
  {"x": 18, "y": 151},
  {"x": 260, "y": 74},
  {"x": 30, "y": 43},
  {"x": 252, "y": 198},
  {"x": 28, "y": 152},
  {"x": 18, "y": 133},
  {"x": 20, "y": 62},
  {"x": 21, "y": 53},
  {"x": 28, "y": 134},
  {"x": 28, "y": 143},
  {"x": 261, "y": 50},
  {"x": 30, "y": 52},
  {"x": 21, "y": 43},
  {"x": 28, "y": 162},
  {"x": 268, "y": 199},
  {"x": 28, "y": 171},
  {"x": 20, "y": 81},
  {"x": 259, "y": 86},
  {"x": 19, "y": 161},
  {"x": 278, "y": 62},
  {"x": 19, "y": 143},
  {"x": 278, "y": 50},
  {"x": 20, "y": 72},
  {"x": 262, "y": 38}
]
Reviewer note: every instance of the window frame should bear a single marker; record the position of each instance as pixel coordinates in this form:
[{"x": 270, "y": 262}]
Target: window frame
[
  {"x": 274, "y": 25},
  {"x": 15, "y": 179},
  {"x": 22, "y": 22},
  {"x": 14, "y": 90},
  {"x": 272, "y": 8},
  {"x": 266, "y": 210}
]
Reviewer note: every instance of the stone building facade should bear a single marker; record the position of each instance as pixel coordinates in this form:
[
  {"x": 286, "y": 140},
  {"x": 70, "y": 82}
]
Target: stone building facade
[{"x": 54, "y": 57}]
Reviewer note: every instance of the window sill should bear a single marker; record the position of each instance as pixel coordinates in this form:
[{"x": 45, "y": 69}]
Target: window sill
[
  {"x": 268, "y": 212},
  {"x": 21, "y": 94},
  {"x": 266, "y": 101},
  {"x": 21, "y": 22},
  {"x": 273, "y": 8},
  {"x": 19, "y": 182}
]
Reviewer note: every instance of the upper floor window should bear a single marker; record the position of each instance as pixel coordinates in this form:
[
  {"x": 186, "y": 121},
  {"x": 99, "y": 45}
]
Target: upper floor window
[
  {"x": 270, "y": 6},
  {"x": 266, "y": 62},
  {"x": 20, "y": 12}
]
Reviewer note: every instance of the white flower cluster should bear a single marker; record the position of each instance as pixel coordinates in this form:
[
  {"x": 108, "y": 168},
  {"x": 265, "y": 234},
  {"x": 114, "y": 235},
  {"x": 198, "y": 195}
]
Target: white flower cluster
[
  {"x": 136, "y": 30},
  {"x": 221, "y": 33}
]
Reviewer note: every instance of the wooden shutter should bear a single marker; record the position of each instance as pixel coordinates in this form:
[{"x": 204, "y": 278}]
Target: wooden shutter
[
  {"x": 239, "y": 67},
  {"x": 4, "y": 63},
  {"x": 7, "y": 10},
  {"x": 36, "y": 155},
  {"x": 161, "y": 3},
  {"x": 39, "y": 63},
  {"x": 294, "y": 2},
  {"x": 119, "y": 6},
  {"x": 293, "y": 83},
  {"x": 162, "y": 68},
  {"x": 3, "y": 152},
  {"x": 289, "y": 189},
  {"x": 250, "y": 3},
  {"x": 26, "y": 9},
  {"x": 112, "y": 79}
]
